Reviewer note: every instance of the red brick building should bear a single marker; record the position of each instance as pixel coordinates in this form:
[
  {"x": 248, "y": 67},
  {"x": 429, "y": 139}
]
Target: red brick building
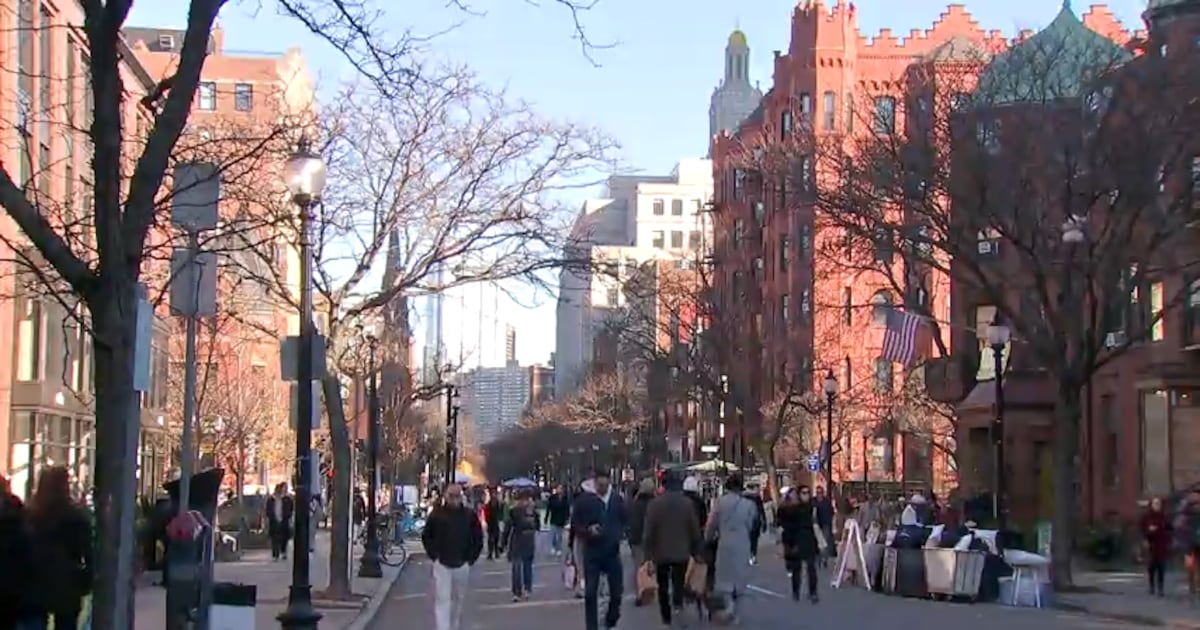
[{"x": 813, "y": 297}]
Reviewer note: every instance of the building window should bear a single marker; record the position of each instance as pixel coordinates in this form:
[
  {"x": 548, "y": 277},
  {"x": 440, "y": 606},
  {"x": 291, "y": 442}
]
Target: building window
[
  {"x": 659, "y": 207},
  {"x": 656, "y": 239},
  {"x": 1111, "y": 448},
  {"x": 806, "y": 105},
  {"x": 612, "y": 297},
  {"x": 676, "y": 239},
  {"x": 884, "y": 122},
  {"x": 785, "y": 125},
  {"x": 883, "y": 375},
  {"x": 847, "y": 306},
  {"x": 883, "y": 245},
  {"x": 829, "y": 110},
  {"x": 785, "y": 253},
  {"x": 805, "y": 303},
  {"x": 1191, "y": 312},
  {"x": 785, "y": 305},
  {"x": 847, "y": 375},
  {"x": 694, "y": 240},
  {"x": 806, "y": 173},
  {"x": 850, "y": 113},
  {"x": 29, "y": 340},
  {"x": 739, "y": 232},
  {"x": 676, "y": 207},
  {"x": 805, "y": 239},
  {"x": 987, "y": 134},
  {"x": 760, "y": 212},
  {"x": 1157, "y": 319},
  {"x": 959, "y": 101},
  {"x": 881, "y": 306},
  {"x": 206, "y": 95},
  {"x": 45, "y": 81},
  {"x": 243, "y": 97}
]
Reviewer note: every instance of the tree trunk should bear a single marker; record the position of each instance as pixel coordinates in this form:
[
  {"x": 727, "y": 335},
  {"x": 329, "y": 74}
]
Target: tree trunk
[
  {"x": 1066, "y": 450},
  {"x": 118, "y": 423},
  {"x": 339, "y": 547}
]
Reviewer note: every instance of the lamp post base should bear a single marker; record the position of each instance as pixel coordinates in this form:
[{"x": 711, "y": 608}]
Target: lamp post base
[
  {"x": 369, "y": 565},
  {"x": 300, "y": 614}
]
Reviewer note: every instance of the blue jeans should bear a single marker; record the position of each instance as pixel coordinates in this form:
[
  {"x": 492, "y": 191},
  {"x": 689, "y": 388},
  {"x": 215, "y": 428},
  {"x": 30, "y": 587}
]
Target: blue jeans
[
  {"x": 556, "y": 538},
  {"x": 522, "y": 576},
  {"x": 610, "y": 567}
]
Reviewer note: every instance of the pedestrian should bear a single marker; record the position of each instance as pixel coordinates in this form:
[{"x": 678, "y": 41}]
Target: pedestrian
[
  {"x": 730, "y": 524},
  {"x": 825, "y": 513},
  {"x": 802, "y": 538},
  {"x": 453, "y": 540},
  {"x": 755, "y": 495},
  {"x": 1187, "y": 531},
  {"x": 493, "y": 516},
  {"x": 558, "y": 512},
  {"x": 522, "y": 527},
  {"x": 280, "y": 509},
  {"x": 600, "y": 519},
  {"x": 61, "y": 547},
  {"x": 359, "y": 512},
  {"x": 575, "y": 543},
  {"x": 637, "y": 522},
  {"x": 670, "y": 539},
  {"x": 16, "y": 558},
  {"x": 1157, "y": 534}
]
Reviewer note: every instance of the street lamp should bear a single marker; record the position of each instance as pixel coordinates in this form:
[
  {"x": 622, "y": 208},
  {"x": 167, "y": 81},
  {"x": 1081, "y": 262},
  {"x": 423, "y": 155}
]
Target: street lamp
[
  {"x": 369, "y": 566},
  {"x": 831, "y": 389},
  {"x": 998, "y": 335},
  {"x": 304, "y": 174},
  {"x": 451, "y": 432},
  {"x": 721, "y": 425}
]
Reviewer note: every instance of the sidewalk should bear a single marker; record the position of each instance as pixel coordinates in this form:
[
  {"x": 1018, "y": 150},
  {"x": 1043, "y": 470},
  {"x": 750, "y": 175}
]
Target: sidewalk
[
  {"x": 1123, "y": 596},
  {"x": 272, "y": 579}
]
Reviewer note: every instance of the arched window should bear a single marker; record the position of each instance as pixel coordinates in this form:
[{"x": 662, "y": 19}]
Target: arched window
[{"x": 881, "y": 305}]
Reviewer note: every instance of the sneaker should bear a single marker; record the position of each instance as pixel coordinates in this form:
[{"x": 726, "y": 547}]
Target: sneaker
[
  {"x": 753, "y": 560},
  {"x": 814, "y": 599}
]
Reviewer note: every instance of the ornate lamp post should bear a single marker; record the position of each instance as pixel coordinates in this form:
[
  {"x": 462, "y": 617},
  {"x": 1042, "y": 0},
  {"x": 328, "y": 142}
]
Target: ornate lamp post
[
  {"x": 998, "y": 335},
  {"x": 369, "y": 566},
  {"x": 305, "y": 176},
  {"x": 831, "y": 389}
]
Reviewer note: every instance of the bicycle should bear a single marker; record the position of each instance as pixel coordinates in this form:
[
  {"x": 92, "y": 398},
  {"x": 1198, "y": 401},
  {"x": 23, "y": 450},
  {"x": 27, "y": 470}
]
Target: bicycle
[{"x": 390, "y": 554}]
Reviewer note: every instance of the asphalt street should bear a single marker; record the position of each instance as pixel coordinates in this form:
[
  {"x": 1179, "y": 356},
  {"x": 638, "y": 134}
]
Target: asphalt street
[{"x": 552, "y": 607}]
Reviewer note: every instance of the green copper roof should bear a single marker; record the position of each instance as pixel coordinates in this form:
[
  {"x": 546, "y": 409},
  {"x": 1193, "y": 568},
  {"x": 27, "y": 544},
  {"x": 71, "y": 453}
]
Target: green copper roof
[{"x": 1060, "y": 61}]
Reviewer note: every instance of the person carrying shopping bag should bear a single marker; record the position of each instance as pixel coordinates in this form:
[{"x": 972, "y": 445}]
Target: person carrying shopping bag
[{"x": 671, "y": 539}]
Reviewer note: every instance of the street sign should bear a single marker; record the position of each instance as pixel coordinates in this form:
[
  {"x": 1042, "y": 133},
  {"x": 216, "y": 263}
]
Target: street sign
[
  {"x": 814, "y": 463},
  {"x": 709, "y": 448}
]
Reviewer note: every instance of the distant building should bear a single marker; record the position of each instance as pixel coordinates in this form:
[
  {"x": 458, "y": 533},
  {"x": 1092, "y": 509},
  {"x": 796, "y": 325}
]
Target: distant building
[
  {"x": 735, "y": 98},
  {"x": 641, "y": 218},
  {"x": 541, "y": 384},
  {"x": 510, "y": 343},
  {"x": 495, "y": 399}
]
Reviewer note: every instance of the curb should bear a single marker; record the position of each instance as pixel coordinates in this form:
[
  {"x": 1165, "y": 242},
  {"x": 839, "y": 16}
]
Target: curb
[
  {"x": 1140, "y": 619},
  {"x": 375, "y": 603}
]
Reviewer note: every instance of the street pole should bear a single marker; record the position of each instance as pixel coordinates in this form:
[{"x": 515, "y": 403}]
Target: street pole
[
  {"x": 1000, "y": 510},
  {"x": 307, "y": 178},
  {"x": 187, "y": 460},
  {"x": 451, "y": 430},
  {"x": 369, "y": 566},
  {"x": 829, "y": 442}
]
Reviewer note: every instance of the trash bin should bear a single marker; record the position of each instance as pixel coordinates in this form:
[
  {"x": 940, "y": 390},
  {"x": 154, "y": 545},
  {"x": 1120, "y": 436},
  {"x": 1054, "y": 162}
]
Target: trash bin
[{"x": 232, "y": 606}]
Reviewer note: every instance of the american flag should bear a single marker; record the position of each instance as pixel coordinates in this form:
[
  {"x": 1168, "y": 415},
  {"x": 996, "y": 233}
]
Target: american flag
[{"x": 900, "y": 338}]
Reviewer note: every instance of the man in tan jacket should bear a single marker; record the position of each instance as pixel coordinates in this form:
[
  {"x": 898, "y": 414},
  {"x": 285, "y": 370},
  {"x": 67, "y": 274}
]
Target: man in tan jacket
[{"x": 670, "y": 539}]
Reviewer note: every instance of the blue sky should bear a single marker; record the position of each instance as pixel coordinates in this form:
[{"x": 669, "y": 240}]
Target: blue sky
[{"x": 651, "y": 88}]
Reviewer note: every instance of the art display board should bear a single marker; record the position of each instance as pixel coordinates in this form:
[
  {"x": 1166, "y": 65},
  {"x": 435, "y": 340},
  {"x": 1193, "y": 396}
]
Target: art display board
[{"x": 851, "y": 557}]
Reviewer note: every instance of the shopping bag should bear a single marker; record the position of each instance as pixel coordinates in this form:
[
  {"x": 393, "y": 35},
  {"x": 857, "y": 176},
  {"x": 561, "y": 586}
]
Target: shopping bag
[
  {"x": 647, "y": 584},
  {"x": 568, "y": 576},
  {"x": 696, "y": 577}
]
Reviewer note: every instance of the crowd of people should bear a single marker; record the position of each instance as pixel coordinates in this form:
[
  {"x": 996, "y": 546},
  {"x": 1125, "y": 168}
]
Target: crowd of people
[{"x": 691, "y": 548}]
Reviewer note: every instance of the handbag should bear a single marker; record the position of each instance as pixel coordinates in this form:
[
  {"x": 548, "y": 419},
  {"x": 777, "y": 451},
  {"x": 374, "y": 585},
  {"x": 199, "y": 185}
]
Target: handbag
[
  {"x": 569, "y": 574},
  {"x": 647, "y": 584},
  {"x": 696, "y": 577}
]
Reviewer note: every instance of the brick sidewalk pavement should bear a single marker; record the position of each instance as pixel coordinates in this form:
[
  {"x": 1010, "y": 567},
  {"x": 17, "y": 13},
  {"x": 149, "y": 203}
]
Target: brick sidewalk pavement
[
  {"x": 1123, "y": 595},
  {"x": 272, "y": 579}
]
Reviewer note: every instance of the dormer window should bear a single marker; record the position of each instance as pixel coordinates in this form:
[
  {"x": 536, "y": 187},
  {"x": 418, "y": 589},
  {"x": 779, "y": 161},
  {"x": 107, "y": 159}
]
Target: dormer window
[
  {"x": 166, "y": 42},
  {"x": 987, "y": 134}
]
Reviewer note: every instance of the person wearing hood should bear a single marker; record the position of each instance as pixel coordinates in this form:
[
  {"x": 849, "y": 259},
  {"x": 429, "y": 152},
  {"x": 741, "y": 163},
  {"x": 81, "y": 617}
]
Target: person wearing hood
[
  {"x": 601, "y": 520},
  {"x": 802, "y": 544},
  {"x": 637, "y": 525}
]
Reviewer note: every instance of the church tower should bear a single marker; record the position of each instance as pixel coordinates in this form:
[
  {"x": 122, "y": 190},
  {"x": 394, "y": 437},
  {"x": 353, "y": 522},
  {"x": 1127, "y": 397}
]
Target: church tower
[{"x": 735, "y": 97}]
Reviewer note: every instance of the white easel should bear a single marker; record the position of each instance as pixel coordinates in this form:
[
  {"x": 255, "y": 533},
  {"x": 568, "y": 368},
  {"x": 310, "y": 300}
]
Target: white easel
[{"x": 851, "y": 551}]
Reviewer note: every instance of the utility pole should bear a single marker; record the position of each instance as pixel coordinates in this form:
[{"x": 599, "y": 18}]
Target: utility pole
[{"x": 451, "y": 432}]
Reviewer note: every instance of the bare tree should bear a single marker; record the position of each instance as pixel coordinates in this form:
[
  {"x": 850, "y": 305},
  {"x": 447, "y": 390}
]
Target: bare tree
[{"x": 1077, "y": 236}]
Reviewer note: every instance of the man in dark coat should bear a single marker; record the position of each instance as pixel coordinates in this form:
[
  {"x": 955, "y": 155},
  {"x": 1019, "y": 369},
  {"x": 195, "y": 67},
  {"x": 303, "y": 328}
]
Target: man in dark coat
[
  {"x": 802, "y": 544},
  {"x": 670, "y": 539},
  {"x": 558, "y": 512},
  {"x": 280, "y": 507},
  {"x": 600, "y": 519},
  {"x": 493, "y": 515}
]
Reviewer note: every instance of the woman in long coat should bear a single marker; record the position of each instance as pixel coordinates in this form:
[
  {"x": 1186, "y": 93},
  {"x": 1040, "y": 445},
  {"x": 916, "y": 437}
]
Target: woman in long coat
[{"x": 730, "y": 525}]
